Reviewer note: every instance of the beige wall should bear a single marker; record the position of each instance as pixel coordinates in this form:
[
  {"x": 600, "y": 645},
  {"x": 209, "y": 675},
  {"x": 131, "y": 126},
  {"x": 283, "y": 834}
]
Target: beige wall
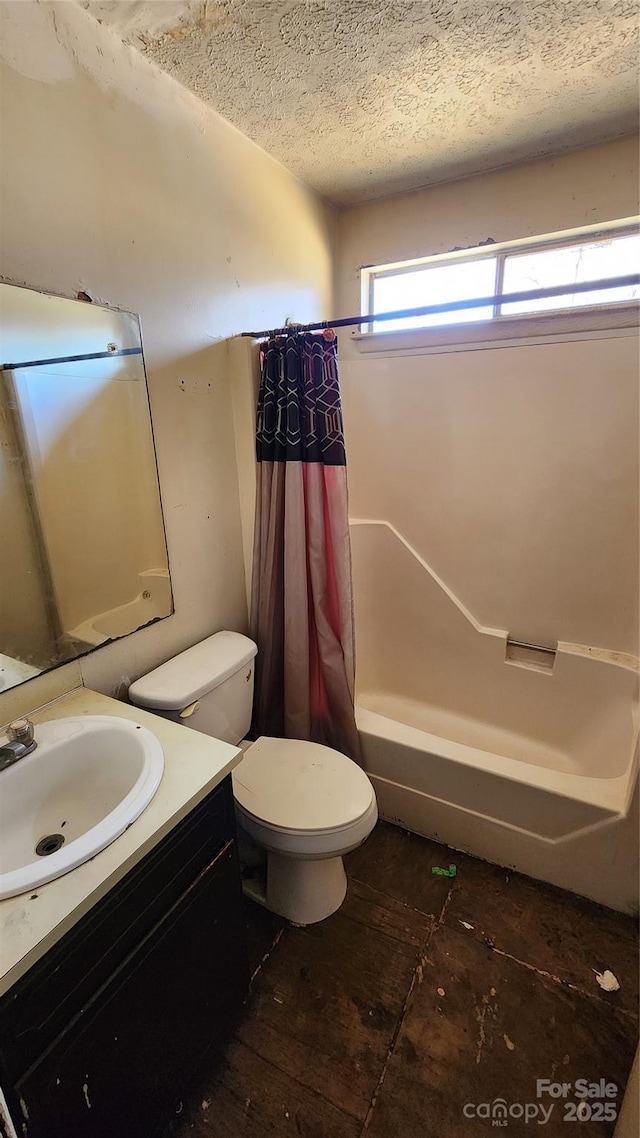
[
  {"x": 118, "y": 182},
  {"x": 512, "y": 471}
]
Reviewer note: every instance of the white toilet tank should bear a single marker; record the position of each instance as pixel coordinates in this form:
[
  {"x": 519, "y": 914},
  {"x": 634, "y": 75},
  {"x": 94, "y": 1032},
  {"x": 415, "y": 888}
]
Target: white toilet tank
[{"x": 209, "y": 687}]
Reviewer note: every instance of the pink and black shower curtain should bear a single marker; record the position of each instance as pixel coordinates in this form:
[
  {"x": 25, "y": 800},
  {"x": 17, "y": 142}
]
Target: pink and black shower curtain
[{"x": 302, "y": 603}]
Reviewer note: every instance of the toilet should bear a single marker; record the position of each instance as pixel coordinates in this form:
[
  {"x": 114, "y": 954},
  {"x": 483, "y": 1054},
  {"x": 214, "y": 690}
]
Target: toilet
[{"x": 302, "y": 804}]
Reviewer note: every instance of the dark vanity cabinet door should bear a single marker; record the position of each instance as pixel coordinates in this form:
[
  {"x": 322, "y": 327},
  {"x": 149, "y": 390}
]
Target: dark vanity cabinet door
[{"x": 126, "y": 1062}]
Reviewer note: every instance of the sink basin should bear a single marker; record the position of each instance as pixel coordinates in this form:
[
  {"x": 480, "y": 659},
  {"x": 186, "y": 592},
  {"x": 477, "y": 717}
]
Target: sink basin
[{"x": 89, "y": 778}]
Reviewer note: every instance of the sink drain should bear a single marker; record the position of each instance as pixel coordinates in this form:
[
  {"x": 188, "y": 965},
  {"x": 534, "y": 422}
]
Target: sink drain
[{"x": 49, "y": 844}]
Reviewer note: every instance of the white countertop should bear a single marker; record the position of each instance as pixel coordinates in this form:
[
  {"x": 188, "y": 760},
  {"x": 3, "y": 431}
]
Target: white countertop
[{"x": 194, "y": 764}]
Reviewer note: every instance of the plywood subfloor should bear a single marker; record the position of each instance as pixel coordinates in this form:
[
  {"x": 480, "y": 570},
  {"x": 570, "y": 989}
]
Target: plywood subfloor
[{"x": 422, "y": 995}]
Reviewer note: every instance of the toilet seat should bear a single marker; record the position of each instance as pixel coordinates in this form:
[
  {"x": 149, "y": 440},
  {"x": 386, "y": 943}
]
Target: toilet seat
[
  {"x": 300, "y": 807},
  {"x": 291, "y": 786}
]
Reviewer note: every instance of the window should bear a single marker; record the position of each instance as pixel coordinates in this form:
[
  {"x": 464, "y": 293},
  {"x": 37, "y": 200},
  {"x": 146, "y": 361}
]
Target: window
[
  {"x": 495, "y": 270},
  {"x": 435, "y": 285},
  {"x": 572, "y": 264}
]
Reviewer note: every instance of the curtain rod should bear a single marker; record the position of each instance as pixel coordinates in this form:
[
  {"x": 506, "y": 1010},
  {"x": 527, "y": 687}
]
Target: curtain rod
[
  {"x": 72, "y": 359},
  {"x": 454, "y": 306}
]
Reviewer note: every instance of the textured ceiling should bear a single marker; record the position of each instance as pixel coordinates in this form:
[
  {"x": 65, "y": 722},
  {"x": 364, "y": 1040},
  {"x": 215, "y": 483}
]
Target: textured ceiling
[{"x": 362, "y": 98}]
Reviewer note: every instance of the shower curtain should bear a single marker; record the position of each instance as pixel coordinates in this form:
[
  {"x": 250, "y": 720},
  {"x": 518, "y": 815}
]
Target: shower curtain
[{"x": 302, "y": 605}]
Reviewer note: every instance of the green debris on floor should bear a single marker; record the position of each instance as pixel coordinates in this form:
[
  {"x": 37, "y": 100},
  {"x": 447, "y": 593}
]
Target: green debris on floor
[{"x": 450, "y": 872}]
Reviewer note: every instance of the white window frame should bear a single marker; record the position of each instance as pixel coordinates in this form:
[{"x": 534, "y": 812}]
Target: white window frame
[{"x": 503, "y": 330}]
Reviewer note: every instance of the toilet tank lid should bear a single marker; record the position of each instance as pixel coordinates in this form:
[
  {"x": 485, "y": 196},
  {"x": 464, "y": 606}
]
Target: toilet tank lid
[{"x": 193, "y": 673}]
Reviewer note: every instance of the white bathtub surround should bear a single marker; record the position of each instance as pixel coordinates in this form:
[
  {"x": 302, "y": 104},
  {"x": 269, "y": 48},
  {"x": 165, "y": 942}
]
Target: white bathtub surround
[
  {"x": 529, "y": 768},
  {"x": 14, "y": 672},
  {"x": 512, "y": 470},
  {"x": 194, "y": 765},
  {"x": 152, "y": 601}
]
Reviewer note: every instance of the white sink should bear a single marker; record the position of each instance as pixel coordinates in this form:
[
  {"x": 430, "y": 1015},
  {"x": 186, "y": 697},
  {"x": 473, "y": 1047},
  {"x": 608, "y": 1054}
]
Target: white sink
[{"x": 89, "y": 778}]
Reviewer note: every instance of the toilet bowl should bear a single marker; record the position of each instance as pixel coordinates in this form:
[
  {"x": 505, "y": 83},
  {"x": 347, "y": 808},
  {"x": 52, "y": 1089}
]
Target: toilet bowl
[
  {"x": 307, "y": 806},
  {"x": 303, "y": 805}
]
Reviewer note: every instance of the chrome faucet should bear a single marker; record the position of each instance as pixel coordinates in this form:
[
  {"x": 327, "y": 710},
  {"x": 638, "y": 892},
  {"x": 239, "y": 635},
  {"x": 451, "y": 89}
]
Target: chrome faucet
[{"x": 20, "y": 742}]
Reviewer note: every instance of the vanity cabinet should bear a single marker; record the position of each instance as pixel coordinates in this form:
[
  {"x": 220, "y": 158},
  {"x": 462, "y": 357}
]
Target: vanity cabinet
[{"x": 105, "y": 1034}]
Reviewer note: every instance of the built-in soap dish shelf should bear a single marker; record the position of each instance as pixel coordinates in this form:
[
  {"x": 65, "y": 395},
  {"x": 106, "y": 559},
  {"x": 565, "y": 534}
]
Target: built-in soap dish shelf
[{"x": 536, "y": 657}]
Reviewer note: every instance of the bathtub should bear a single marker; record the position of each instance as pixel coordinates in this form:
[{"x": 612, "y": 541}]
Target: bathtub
[
  {"x": 14, "y": 672},
  {"x": 531, "y": 767},
  {"x": 151, "y": 602}
]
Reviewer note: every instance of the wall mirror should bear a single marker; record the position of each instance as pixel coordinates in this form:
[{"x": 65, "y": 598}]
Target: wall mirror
[{"x": 83, "y": 554}]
